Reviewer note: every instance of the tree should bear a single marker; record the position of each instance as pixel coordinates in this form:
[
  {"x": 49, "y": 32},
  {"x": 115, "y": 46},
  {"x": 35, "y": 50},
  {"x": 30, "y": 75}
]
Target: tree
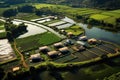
[
  {"x": 10, "y": 13},
  {"x": 26, "y": 9},
  {"x": 2, "y": 73},
  {"x": 9, "y": 76}
]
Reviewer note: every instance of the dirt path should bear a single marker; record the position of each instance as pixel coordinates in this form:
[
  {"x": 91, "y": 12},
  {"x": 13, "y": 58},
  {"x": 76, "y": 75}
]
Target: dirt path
[{"x": 22, "y": 57}]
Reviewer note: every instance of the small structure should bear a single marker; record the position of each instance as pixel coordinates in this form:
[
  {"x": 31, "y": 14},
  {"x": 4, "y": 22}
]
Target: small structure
[
  {"x": 81, "y": 48},
  {"x": 70, "y": 34},
  {"x": 53, "y": 54},
  {"x": 15, "y": 69},
  {"x": 64, "y": 50},
  {"x": 63, "y": 32},
  {"x": 68, "y": 42},
  {"x": 58, "y": 45},
  {"x": 83, "y": 38},
  {"x": 44, "y": 49},
  {"x": 92, "y": 41},
  {"x": 78, "y": 48},
  {"x": 81, "y": 43},
  {"x": 35, "y": 57}
]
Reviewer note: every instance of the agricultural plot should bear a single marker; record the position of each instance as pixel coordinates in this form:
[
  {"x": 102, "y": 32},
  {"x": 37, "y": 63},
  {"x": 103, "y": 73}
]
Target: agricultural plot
[
  {"x": 81, "y": 57},
  {"x": 107, "y": 16},
  {"x": 112, "y": 14},
  {"x": 88, "y": 54},
  {"x": 99, "y": 17},
  {"x": 57, "y": 23},
  {"x": 109, "y": 50},
  {"x": 2, "y": 27},
  {"x": 67, "y": 25},
  {"x": 38, "y": 6},
  {"x": 6, "y": 52},
  {"x": 3, "y": 35},
  {"x": 116, "y": 11},
  {"x": 97, "y": 51},
  {"x": 110, "y": 46},
  {"x": 35, "y": 41},
  {"x": 27, "y": 16},
  {"x": 76, "y": 30},
  {"x": 65, "y": 59},
  {"x": 50, "y": 22}
]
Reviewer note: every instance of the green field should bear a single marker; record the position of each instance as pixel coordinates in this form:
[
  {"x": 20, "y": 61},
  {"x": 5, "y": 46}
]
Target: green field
[
  {"x": 76, "y": 30},
  {"x": 67, "y": 9},
  {"x": 107, "y": 16},
  {"x": 38, "y": 6},
  {"x": 3, "y": 35},
  {"x": 36, "y": 41},
  {"x": 1, "y": 27},
  {"x": 99, "y": 17}
]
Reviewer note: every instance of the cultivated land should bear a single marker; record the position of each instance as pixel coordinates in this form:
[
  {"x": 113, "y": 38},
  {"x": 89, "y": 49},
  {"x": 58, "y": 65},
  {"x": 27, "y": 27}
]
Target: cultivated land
[
  {"x": 91, "y": 54},
  {"x": 100, "y": 15},
  {"x": 2, "y": 32},
  {"x": 36, "y": 41},
  {"x": 76, "y": 30}
]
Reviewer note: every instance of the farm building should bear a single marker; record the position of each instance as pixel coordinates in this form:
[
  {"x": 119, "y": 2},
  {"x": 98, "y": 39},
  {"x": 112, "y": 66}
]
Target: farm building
[
  {"x": 78, "y": 48},
  {"x": 92, "y": 41},
  {"x": 64, "y": 50},
  {"x": 70, "y": 34},
  {"x": 15, "y": 69},
  {"x": 68, "y": 42},
  {"x": 35, "y": 58},
  {"x": 53, "y": 54},
  {"x": 83, "y": 38},
  {"x": 58, "y": 45},
  {"x": 44, "y": 49},
  {"x": 81, "y": 43}
]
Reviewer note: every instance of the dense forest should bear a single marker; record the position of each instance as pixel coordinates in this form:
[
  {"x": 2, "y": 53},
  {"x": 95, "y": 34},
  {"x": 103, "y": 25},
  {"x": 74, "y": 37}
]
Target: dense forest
[{"x": 101, "y": 4}]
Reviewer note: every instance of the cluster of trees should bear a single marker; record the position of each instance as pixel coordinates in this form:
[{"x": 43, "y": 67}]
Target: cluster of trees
[
  {"x": 31, "y": 9},
  {"x": 10, "y": 12},
  {"x": 46, "y": 11},
  {"x": 14, "y": 12},
  {"x": 14, "y": 31},
  {"x": 102, "y": 4}
]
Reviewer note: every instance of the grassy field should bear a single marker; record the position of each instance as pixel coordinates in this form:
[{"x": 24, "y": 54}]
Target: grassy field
[
  {"x": 67, "y": 9},
  {"x": 38, "y": 6},
  {"x": 1, "y": 27},
  {"x": 36, "y": 41},
  {"x": 107, "y": 16},
  {"x": 3, "y": 35},
  {"x": 76, "y": 30},
  {"x": 27, "y": 16},
  {"x": 99, "y": 17}
]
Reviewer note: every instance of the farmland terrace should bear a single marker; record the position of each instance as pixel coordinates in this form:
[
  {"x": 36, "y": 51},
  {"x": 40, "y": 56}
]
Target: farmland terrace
[{"x": 71, "y": 50}]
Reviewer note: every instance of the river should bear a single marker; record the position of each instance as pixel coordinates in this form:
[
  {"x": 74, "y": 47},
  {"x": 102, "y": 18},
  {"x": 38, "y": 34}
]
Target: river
[
  {"x": 98, "y": 33},
  {"x": 102, "y": 34}
]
